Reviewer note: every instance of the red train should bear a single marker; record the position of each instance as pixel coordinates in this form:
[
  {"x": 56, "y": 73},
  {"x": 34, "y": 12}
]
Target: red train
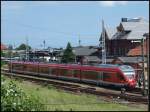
[{"x": 102, "y": 74}]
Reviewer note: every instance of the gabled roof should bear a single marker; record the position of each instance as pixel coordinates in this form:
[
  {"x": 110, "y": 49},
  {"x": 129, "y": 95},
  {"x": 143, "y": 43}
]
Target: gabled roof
[
  {"x": 130, "y": 59},
  {"x": 84, "y": 50},
  {"x": 131, "y": 25},
  {"x": 136, "y": 29},
  {"x": 93, "y": 58},
  {"x": 109, "y": 32}
]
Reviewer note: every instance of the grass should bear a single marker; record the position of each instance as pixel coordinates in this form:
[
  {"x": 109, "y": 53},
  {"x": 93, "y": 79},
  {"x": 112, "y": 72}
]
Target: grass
[{"x": 59, "y": 100}]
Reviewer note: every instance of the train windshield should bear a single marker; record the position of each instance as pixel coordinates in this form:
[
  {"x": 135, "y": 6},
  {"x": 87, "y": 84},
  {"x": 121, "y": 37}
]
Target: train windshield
[{"x": 127, "y": 70}]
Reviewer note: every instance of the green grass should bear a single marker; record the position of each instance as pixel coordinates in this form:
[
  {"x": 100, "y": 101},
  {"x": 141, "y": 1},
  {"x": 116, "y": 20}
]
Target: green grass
[{"x": 60, "y": 100}]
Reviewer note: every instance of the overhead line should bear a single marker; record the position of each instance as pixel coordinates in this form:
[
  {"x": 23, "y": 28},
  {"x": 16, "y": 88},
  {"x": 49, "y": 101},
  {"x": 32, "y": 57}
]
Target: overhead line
[{"x": 45, "y": 29}]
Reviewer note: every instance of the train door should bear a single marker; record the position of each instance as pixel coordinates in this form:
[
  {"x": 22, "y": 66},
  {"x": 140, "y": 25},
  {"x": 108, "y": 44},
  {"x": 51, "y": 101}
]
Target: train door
[{"x": 100, "y": 78}]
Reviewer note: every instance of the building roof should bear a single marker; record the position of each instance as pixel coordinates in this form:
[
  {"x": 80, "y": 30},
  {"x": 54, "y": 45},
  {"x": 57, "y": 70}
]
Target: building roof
[
  {"x": 3, "y": 47},
  {"x": 93, "y": 58},
  {"x": 137, "y": 51},
  {"x": 130, "y": 59},
  {"x": 109, "y": 32},
  {"x": 84, "y": 50},
  {"x": 135, "y": 28},
  {"x": 109, "y": 60}
]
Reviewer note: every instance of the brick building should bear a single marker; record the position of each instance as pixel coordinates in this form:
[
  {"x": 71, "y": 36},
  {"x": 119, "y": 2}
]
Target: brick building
[
  {"x": 3, "y": 47},
  {"x": 122, "y": 39}
]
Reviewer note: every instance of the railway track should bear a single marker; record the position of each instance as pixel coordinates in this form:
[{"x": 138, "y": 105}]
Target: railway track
[{"x": 83, "y": 88}]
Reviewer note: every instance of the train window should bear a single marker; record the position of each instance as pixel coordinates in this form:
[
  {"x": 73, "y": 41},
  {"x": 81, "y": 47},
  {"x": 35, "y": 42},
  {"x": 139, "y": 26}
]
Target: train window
[
  {"x": 63, "y": 72},
  {"x": 44, "y": 70},
  {"x": 17, "y": 66},
  {"x": 76, "y": 73},
  {"x": 30, "y": 68},
  {"x": 106, "y": 75},
  {"x": 54, "y": 71},
  {"x": 90, "y": 74},
  {"x": 70, "y": 72},
  {"x": 120, "y": 77}
]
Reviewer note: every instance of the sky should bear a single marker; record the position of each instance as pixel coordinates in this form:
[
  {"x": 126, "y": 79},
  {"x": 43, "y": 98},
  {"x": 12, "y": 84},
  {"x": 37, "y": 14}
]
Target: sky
[{"x": 60, "y": 22}]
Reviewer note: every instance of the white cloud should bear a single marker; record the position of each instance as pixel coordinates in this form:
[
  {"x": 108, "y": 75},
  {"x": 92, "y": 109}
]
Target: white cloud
[{"x": 112, "y": 3}]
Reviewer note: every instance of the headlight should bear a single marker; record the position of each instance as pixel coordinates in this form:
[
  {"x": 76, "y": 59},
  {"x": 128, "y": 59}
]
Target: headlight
[{"x": 130, "y": 80}]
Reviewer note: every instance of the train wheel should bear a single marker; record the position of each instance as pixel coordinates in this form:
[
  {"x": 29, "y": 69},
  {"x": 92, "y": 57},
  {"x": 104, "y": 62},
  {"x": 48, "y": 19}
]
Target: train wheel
[{"x": 123, "y": 90}]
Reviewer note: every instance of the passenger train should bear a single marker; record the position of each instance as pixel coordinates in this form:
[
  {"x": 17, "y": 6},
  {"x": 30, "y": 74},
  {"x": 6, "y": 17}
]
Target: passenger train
[{"x": 103, "y": 74}]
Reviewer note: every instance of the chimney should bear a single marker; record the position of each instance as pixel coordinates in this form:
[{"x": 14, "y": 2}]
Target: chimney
[{"x": 124, "y": 19}]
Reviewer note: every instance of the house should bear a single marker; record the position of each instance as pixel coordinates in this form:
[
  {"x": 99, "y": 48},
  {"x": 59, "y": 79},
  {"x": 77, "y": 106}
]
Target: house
[
  {"x": 86, "y": 54},
  {"x": 137, "y": 51},
  {"x": 3, "y": 47},
  {"x": 47, "y": 55},
  {"x": 122, "y": 39}
]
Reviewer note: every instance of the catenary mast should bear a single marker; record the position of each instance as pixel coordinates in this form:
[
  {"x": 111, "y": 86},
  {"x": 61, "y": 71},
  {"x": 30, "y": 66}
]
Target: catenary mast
[{"x": 103, "y": 44}]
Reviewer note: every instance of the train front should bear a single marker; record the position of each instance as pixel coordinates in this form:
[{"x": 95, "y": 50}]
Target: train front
[{"x": 130, "y": 75}]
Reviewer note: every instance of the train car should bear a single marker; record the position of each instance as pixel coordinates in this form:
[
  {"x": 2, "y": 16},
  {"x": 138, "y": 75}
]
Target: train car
[{"x": 103, "y": 74}]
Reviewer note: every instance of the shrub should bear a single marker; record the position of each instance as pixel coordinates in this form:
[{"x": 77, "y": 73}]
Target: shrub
[{"x": 14, "y": 99}]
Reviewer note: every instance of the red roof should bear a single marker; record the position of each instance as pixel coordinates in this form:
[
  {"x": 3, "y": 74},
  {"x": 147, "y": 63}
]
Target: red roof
[
  {"x": 137, "y": 51},
  {"x": 3, "y": 47}
]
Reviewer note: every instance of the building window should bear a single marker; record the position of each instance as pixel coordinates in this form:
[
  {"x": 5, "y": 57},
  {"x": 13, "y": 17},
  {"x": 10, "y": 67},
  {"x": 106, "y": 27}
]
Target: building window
[
  {"x": 119, "y": 51},
  {"x": 114, "y": 51}
]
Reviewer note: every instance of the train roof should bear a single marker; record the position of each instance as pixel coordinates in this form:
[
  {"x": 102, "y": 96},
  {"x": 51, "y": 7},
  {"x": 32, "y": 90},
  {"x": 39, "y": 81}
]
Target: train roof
[
  {"x": 121, "y": 67},
  {"x": 108, "y": 65}
]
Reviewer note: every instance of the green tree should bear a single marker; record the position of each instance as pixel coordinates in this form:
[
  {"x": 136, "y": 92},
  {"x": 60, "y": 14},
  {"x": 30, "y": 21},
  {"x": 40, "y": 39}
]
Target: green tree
[
  {"x": 2, "y": 53},
  {"x": 68, "y": 55},
  {"x": 23, "y": 47}
]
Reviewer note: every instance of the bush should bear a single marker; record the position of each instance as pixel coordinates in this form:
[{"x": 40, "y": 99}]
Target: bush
[
  {"x": 2, "y": 63},
  {"x": 14, "y": 99}
]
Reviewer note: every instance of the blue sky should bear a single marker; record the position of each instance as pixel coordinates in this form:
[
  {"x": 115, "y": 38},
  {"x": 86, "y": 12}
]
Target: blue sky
[{"x": 59, "y": 22}]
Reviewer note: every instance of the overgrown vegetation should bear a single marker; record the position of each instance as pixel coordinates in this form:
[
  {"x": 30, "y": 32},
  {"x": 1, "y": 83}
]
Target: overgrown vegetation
[
  {"x": 3, "y": 63},
  {"x": 14, "y": 99},
  {"x": 59, "y": 100}
]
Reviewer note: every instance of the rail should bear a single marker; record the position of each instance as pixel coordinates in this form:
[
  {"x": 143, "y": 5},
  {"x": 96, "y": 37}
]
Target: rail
[{"x": 81, "y": 88}]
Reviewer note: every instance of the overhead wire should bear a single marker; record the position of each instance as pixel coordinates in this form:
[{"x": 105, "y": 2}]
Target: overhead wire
[{"x": 46, "y": 29}]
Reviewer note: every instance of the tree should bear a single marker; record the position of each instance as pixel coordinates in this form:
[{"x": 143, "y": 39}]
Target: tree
[
  {"x": 68, "y": 55},
  {"x": 2, "y": 54},
  {"x": 23, "y": 47}
]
